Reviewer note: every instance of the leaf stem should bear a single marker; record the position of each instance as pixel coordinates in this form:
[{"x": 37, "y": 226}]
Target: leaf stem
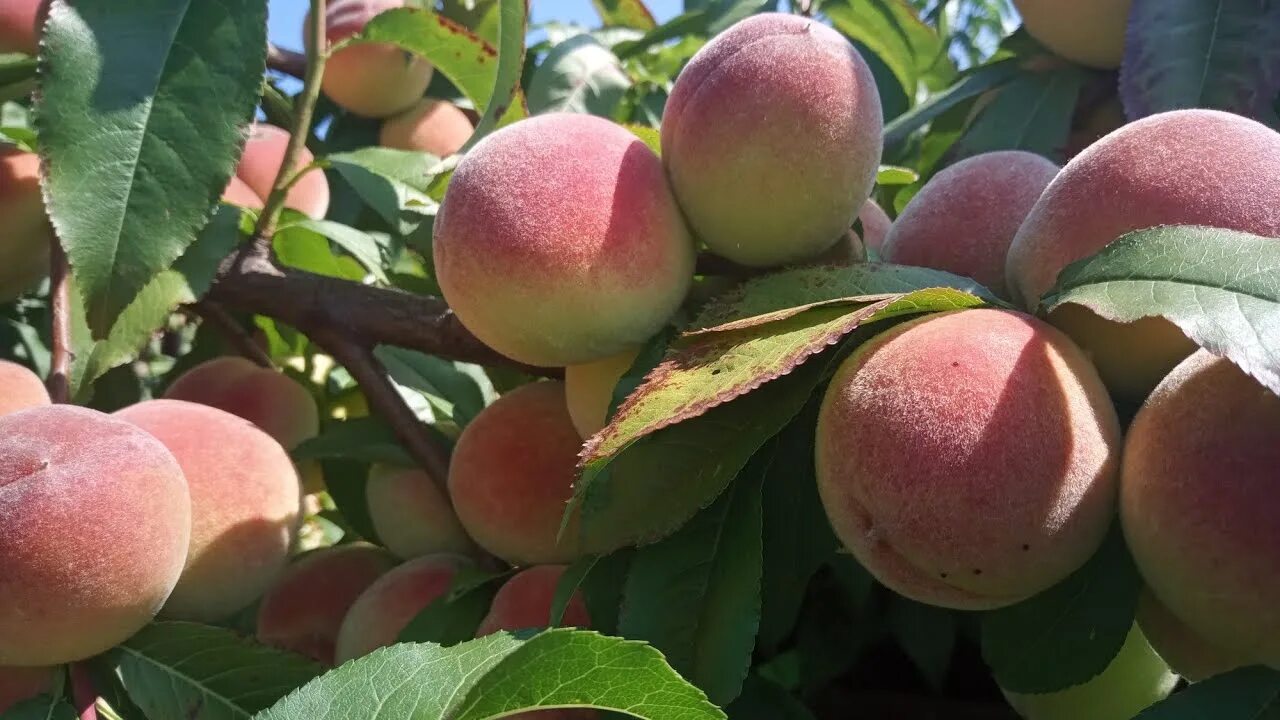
[{"x": 59, "y": 382}]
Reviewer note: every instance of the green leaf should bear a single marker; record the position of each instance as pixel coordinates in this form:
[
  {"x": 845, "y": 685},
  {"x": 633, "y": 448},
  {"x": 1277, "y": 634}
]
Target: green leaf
[
  {"x": 1222, "y": 54},
  {"x": 578, "y": 76},
  {"x": 506, "y": 104},
  {"x": 462, "y": 389},
  {"x": 765, "y": 700},
  {"x": 364, "y": 439},
  {"x": 16, "y": 68},
  {"x": 1069, "y": 633},
  {"x": 1251, "y": 693},
  {"x": 625, "y": 13},
  {"x": 140, "y": 116},
  {"x": 893, "y": 31},
  {"x": 40, "y": 708},
  {"x": 178, "y": 669},
  {"x": 602, "y": 588},
  {"x": 454, "y": 617},
  {"x": 1220, "y": 287},
  {"x": 499, "y": 675},
  {"x": 1031, "y": 113},
  {"x": 970, "y": 86},
  {"x": 370, "y": 251},
  {"x": 894, "y": 175},
  {"x": 927, "y": 634},
  {"x": 393, "y": 183},
  {"x": 695, "y": 596},
  {"x": 298, "y": 246}
]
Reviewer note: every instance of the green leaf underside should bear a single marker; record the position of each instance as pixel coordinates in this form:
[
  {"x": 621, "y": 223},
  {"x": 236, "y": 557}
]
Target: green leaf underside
[
  {"x": 40, "y": 708},
  {"x": 972, "y": 85},
  {"x": 1220, "y": 287},
  {"x": 499, "y": 675},
  {"x": 579, "y": 75},
  {"x": 150, "y": 99}
]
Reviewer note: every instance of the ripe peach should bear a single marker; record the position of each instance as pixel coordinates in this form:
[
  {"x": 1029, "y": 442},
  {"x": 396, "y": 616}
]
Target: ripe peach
[
  {"x": 245, "y": 501},
  {"x": 432, "y": 126},
  {"x": 22, "y": 389},
  {"x": 308, "y": 602},
  {"x": 588, "y": 389},
  {"x": 382, "y": 611},
  {"x": 559, "y": 242},
  {"x": 372, "y": 80},
  {"x": 981, "y": 477},
  {"x": 411, "y": 515},
  {"x": 271, "y": 400},
  {"x": 260, "y": 163},
  {"x": 1199, "y": 505},
  {"x": 24, "y": 246},
  {"x": 23, "y": 683},
  {"x": 512, "y": 475},
  {"x": 1200, "y": 167},
  {"x": 525, "y": 601},
  {"x": 1190, "y": 655},
  {"x": 963, "y": 220},
  {"x": 1089, "y": 32},
  {"x": 20, "y": 25},
  {"x": 238, "y": 193},
  {"x": 875, "y": 225},
  {"x": 96, "y": 519},
  {"x": 772, "y": 139}
]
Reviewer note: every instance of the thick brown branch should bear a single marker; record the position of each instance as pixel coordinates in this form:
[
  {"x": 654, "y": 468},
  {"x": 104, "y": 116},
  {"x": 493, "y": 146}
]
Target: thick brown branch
[{"x": 232, "y": 331}]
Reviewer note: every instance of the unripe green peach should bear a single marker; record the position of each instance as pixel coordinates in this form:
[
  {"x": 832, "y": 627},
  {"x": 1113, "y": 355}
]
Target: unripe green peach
[
  {"x": 373, "y": 80},
  {"x": 24, "y": 245},
  {"x": 772, "y": 139},
  {"x": 245, "y": 502},
  {"x": 20, "y": 388},
  {"x": 964, "y": 219},
  {"x": 304, "y": 609},
  {"x": 20, "y": 25},
  {"x": 588, "y": 389},
  {"x": 23, "y": 683},
  {"x": 1199, "y": 505},
  {"x": 271, "y": 400},
  {"x": 260, "y": 163},
  {"x": 96, "y": 520},
  {"x": 385, "y": 609},
  {"x": 512, "y": 476},
  {"x": 1090, "y": 32},
  {"x": 1186, "y": 167},
  {"x": 1188, "y": 654},
  {"x": 525, "y": 601},
  {"x": 432, "y": 126},
  {"x": 411, "y": 515},
  {"x": 968, "y": 459},
  {"x": 559, "y": 242},
  {"x": 1136, "y": 679}
]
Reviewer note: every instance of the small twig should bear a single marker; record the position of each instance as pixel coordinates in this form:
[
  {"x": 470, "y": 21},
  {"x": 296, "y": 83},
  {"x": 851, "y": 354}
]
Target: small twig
[
  {"x": 232, "y": 331},
  {"x": 84, "y": 692},
  {"x": 288, "y": 62},
  {"x": 59, "y": 382}
]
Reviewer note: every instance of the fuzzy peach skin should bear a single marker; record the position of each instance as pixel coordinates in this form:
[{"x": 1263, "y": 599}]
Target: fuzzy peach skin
[
  {"x": 964, "y": 219},
  {"x": 245, "y": 502},
  {"x": 1089, "y": 32},
  {"x": 589, "y": 387},
  {"x": 1185, "y": 167},
  {"x": 271, "y": 400},
  {"x": 1190, "y": 655},
  {"x": 512, "y": 476},
  {"x": 260, "y": 163},
  {"x": 559, "y": 242},
  {"x": 875, "y": 225},
  {"x": 24, "y": 245},
  {"x": 20, "y": 388},
  {"x": 238, "y": 193},
  {"x": 525, "y": 601},
  {"x": 1200, "y": 507},
  {"x": 431, "y": 126},
  {"x": 772, "y": 137},
  {"x": 23, "y": 683},
  {"x": 96, "y": 520},
  {"x": 411, "y": 515},
  {"x": 372, "y": 80},
  {"x": 968, "y": 459},
  {"x": 308, "y": 602},
  {"x": 20, "y": 25},
  {"x": 388, "y": 605}
]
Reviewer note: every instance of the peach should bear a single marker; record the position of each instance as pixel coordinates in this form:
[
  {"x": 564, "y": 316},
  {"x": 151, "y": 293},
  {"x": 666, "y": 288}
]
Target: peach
[
  {"x": 23, "y": 683},
  {"x": 1186, "y": 167},
  {"x": 981, "y": 477},
  {"x": 772, "y": 138},
  {"x": 412, "y": 515},
  {"x": 432, "y": 126},
  {"x": 588, "y": 389},
  {"x": 245, "y": 501},
  {"x": 875, "y": 225},
  {"x": 271, "y": 400},
  {"x": 382, "y": 611},
  {"x": 964, "y": 219},
  {"x": 96, "y": 520},
  {"x": 22, "y": 388},
  {"x": 20, "y": 25},
  {"x": 374, "y": 80},
  {"x": 1089, "y": 32},
  {"x": 24, "y": 246},
  {"x": 512, "y": 476},
  {"x": 308, "y": 602},
  {"x": 261, "y": 161},
  {"x": 238, "y": 193},
  {"x": 559, "y": 242},
  {"x": 525, "y": 601},
  {"x": 1199, "y": 505},
  {"x": 1190, "y": 655}
]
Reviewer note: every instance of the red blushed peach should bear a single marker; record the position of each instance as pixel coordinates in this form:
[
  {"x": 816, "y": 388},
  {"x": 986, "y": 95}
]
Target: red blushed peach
[
  {"x": 1200, "y": 507},
  {"x": 96, "y": 520},
  {"x": 308, "y": 602},
  {"x": 588, "y": 389},
  {"x": 512, "y": 476},
  {"x": 23, "y": 683},
  {"x": 964, "y": 219},
  {"x": 411, "y": 515},
  {"x": 245, "y": 501},
  {"x": 772, "y": 139},
  {"x": 1190, "y": 655},
  {"x": 1090, "y": 32},
  {"x": 875, "y": 225},
  {"x": 20, "y": 25},
  {"x": 1187, "y": 167},
  {"x": 238, "y": 193},
  {"x": 372, "y": 80},
  {"x": 260, "y": 163},
  {"x": 271, "y": 400},
  {"x": 525, "y": 601},
  {"x": 24, "y": 245},
  {"x": 969, "y": 459},
  {"x": 382, "y": 611},
  {"x": 559, "y": 242},
  {"x": 432, "y": 126},
  {"x": 20, "y": 388}
]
